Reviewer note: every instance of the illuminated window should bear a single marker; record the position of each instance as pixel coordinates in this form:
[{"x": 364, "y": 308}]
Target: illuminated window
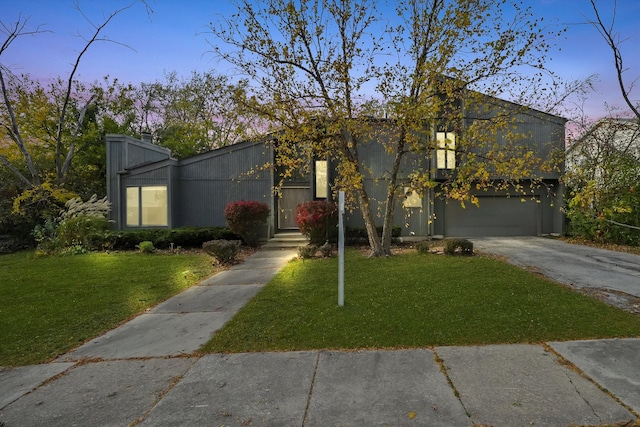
[
  {"x": 321, "y": 179},
  {"x": 446, "y": 150},
  {"x": 412, "y": 198},
  {"x": 147, "y": 206}
]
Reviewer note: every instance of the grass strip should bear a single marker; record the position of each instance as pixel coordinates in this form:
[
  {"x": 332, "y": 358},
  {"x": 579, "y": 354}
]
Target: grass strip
[{"x": 415, "y": 300}]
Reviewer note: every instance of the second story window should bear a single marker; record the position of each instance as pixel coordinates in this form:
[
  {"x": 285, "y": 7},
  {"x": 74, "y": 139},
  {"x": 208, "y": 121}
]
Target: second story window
[{"x": 445, "y": 150}]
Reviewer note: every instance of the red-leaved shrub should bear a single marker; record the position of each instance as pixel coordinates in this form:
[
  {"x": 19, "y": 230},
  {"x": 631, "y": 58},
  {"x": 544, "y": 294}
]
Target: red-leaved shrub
[
  {"x": 244, "y": 218},
  {"x": 317, "y": 220}
]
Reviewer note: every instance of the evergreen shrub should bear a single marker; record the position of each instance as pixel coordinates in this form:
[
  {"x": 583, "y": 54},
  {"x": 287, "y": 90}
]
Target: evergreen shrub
[{"x": 224, "y": 251}]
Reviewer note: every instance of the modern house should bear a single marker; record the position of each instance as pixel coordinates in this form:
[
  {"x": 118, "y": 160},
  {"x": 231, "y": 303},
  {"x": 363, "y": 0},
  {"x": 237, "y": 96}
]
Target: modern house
[{"x": 148, "y": 188}]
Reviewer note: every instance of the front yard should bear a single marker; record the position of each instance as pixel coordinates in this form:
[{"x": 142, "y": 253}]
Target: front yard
[
  {"x": 415, "y": 300},
  {"x": 51, "y": 305}
]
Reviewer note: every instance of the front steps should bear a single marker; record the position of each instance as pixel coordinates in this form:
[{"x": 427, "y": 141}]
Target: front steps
[{"x": 286, "y": 240}]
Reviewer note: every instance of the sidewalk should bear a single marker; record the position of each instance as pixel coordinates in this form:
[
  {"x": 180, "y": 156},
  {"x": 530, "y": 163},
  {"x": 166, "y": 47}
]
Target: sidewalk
[{"x": 145, "y": 372}]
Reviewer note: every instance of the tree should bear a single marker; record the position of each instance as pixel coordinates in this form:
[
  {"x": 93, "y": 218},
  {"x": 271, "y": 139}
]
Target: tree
[
  {"x": 320, "y": 66},
  {"x": 603, "y": 173},
  {"x": 44, "y": 126},
  {"x": 195, "y": 115},
  {"x": 63, "y": 124},
  {"x": 310, "y": 61},
  {"x": 614, "y": 41},
  {"x": 604, "y": 162}
]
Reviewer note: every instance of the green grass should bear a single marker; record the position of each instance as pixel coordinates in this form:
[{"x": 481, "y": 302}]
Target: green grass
[
  {"x": 50, "y": 305},
  {"x": 415, "y": 300}
]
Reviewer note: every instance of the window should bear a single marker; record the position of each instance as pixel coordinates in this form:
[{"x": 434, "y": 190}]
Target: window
[
  {"x": 412, "y": 198},
  {"x": 446, "y": 150},
  {"x": 321, "y": 179},
  {"x": 147, "y": 206}
]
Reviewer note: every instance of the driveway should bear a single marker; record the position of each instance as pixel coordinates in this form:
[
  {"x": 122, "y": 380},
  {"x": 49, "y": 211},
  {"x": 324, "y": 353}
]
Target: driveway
[{"x": 582, "y": 267}]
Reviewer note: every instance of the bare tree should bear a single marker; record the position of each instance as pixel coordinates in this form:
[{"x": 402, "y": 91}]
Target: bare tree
[
  {"x": 614, "y": 40},
  {"x": 67, "y": 129}
]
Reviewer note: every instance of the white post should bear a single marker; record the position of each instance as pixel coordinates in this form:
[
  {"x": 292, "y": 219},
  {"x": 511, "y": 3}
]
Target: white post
[{"x": 341, "y": 249}]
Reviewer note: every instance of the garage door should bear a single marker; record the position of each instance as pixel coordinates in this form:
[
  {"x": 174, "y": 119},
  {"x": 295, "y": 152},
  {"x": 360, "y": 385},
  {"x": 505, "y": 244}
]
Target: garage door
[{"x": 496, "y": 216}]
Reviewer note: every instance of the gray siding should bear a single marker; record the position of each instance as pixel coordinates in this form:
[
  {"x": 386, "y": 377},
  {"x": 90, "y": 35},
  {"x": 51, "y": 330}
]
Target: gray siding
[
  {"x": 123, "y": 154},
  {"x": 377, "y": 165},
  {"x": 205, "y": 184}
]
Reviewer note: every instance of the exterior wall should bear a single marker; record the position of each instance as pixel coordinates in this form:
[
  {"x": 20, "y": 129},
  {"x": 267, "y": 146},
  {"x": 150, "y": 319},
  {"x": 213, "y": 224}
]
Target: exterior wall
[
  {"x": 377, "y": 164},
  {"x": 498, "y": 214},
  {"x": 205, "y": 184},
  {"x": 543, "y": 133},
  {"x": 124, "y": 153}
]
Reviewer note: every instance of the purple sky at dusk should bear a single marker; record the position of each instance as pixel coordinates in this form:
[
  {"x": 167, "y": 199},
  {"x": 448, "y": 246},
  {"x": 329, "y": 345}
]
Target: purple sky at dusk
[{"x": 173, "y": 38}]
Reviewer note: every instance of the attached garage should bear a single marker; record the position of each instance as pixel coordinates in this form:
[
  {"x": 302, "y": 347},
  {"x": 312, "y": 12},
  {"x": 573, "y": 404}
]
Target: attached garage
[{"x": 496, "y": 216}]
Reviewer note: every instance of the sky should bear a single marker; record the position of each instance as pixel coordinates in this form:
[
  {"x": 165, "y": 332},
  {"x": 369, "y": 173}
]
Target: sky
[{"x": 173, "y": 37}]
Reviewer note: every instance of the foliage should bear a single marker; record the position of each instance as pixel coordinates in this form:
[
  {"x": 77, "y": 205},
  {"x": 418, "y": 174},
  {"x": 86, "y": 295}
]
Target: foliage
[
  {"x": 326, "y": 250},
  {"x": 456, "y": 246},
  {"x": 188, "y": 237},
  {"x": 307, "y": 251},
  {"x": 317, "y": 219},
  {"x": 79, "y": 227},
  {"x": 83, "y": 230},
  {"x": 224, "y": 251},
  {"x": 50, "y": 307},
  {"x": 354, "y": 235},
  {"x": 439, "y": 301},
  {"x": 146, "y": 247},
  {"x": 41, "y": 202},
  {"x": 245, "y": 219},
  {"x": 94, "y": 208},
  {"x": 423, "y": 247},
  {"x": 603, "y": 173},
  {"x": 197, "y": 114}
]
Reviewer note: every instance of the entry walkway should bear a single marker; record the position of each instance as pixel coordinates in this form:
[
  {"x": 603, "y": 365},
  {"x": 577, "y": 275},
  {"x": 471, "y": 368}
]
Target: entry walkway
[{"x": 148, "y": 372}]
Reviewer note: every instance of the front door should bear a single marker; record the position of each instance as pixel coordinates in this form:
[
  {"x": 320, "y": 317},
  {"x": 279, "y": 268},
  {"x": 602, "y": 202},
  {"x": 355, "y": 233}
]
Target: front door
[{"x": 290, "y": 198}]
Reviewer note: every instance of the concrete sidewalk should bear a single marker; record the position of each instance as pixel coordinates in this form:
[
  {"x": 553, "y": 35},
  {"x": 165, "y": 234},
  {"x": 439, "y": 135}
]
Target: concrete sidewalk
[{"x": 146, "y": 373}]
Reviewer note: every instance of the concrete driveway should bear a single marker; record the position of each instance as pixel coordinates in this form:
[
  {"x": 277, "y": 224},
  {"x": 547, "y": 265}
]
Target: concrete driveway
[{"x": 580, "y": 266}]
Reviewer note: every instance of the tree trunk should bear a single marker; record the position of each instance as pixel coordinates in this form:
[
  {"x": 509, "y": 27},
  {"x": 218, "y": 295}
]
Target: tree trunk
[
  {"x": 387, "y": 225},
  {"x": 370, "y": 225}
]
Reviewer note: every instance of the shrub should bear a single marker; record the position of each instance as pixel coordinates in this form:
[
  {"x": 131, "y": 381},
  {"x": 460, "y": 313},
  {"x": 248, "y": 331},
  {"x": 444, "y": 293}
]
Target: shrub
[
  {"x": 423, "y": 247},
  {"x": 83, "y": 230},
  {"x": 245, "y": 218},
  {"x": 146, "y": 247},
  {"x": 162, "y": 238},
  {"x": 455, "y": 246},
  {"x": 224, "y": 251},
  {"x": 355, "y": 234},
  {"x": 308, "y": 251},
  {"x": 326, "y": 250},
  {"x": 317, "y": 220}
]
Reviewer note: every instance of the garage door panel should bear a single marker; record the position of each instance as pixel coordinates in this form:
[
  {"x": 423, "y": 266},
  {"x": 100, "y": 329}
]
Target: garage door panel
[{"x": 496, "y": 216}]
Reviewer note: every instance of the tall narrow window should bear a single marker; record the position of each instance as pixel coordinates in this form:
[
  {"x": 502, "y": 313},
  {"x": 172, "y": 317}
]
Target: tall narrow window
[
  {"x": 133, "y": 206},
  {"x": 446, "y": 150},
  {"x": 147, "y": 206},
  {"x": 321, "y": 179}
]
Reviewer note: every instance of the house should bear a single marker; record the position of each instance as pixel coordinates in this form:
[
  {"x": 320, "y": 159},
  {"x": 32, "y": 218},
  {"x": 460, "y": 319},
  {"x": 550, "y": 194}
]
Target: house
[
  {"x": 604, "y": 143},
  {"x": 148, "y": 188}
]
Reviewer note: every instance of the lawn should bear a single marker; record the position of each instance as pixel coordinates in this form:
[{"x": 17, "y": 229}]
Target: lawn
[
  {"x": 415, "y": 300},
  {"x": 51, "y": 305}
]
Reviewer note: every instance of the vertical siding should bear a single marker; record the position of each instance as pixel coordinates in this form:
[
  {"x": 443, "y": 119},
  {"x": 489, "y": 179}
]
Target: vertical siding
[
  {"x": 207, "y": 183},
  {"x": 123, "y": 153}
]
